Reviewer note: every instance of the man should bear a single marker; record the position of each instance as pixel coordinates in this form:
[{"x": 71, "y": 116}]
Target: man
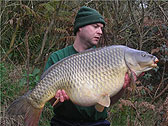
[{"x": 88, "y": 30}]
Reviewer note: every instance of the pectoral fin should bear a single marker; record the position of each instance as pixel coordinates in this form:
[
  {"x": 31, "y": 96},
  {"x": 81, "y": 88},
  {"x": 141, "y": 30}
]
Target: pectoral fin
[
  {"x": 103, "y": 102},
  {"x": 99, "y": 108}
]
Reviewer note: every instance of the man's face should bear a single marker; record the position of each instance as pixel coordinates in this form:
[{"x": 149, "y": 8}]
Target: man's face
[{"x": 91, "y": 34}]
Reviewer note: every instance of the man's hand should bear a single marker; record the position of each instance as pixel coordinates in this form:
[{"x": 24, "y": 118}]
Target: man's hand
[
  {"x": 127, "y": 81},
  {"x": 61, "y": 95}
]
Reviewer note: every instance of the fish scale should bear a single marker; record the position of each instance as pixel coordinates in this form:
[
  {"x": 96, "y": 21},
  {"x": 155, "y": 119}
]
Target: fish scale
[
  {"x": 94, "y": 78},
  {"x": 93, "y": 60},
  {"x": 88, "y": 78}
]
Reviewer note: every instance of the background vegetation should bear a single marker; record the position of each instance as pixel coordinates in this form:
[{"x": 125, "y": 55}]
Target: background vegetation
[{"x": 32, "y": 30}]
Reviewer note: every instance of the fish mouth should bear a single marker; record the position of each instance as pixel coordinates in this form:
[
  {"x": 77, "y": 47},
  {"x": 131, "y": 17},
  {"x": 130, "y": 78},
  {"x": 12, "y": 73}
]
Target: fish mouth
[{"x": 154, "y": 64}]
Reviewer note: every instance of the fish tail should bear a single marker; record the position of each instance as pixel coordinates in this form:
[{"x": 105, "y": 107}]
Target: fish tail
[{"x": 23, "y": 106}]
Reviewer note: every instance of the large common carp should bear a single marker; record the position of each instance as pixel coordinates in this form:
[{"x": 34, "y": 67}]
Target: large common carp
[{"x": 89, "y": 78}]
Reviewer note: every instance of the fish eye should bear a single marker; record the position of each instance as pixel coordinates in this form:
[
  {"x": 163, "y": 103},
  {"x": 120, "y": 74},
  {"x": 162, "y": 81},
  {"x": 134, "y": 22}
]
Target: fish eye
[{"x": 143, "y": 54}]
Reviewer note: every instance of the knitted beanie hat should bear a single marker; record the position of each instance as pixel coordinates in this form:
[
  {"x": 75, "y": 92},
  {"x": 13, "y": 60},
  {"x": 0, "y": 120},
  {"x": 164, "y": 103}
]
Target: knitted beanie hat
[{"x": 86, "y": 16}]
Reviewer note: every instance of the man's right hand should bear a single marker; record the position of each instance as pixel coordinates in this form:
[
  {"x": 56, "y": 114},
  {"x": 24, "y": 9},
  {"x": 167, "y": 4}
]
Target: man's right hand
[{"x": 61, "y": 95}]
